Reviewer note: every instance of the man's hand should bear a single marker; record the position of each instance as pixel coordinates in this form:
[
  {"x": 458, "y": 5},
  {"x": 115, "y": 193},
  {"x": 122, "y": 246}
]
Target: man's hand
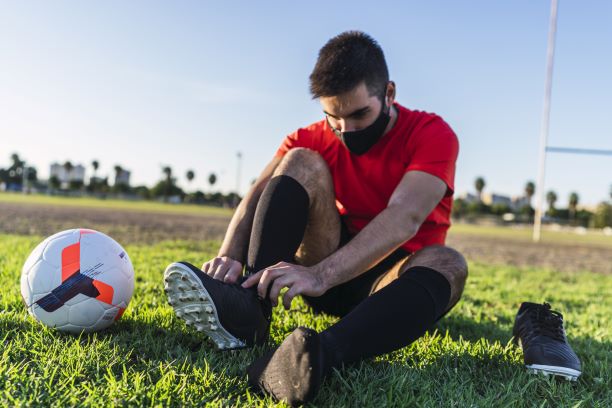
[
  {"x": 300, "y": 280},
  {"x": 223, "y": 268}
]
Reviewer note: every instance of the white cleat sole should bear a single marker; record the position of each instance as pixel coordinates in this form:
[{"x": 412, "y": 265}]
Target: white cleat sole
[
  {"x": 192, "y": 303},
  {"x": 568, "y": 373}
]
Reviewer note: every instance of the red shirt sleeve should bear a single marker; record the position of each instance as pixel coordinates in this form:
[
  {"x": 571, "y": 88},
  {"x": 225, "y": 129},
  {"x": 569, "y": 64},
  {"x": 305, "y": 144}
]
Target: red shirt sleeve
[
  {"x": 299, "y": 138},
  {"x": 433, "y": 149}
]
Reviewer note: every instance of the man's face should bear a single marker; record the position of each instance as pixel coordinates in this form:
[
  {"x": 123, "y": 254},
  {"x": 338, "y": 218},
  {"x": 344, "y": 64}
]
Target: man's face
[{"x": 352, "y": 110}]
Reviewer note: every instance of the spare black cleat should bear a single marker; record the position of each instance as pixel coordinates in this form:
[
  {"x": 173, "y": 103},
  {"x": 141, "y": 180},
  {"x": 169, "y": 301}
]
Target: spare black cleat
[
  {"x": 294, "y": 371},
  {"x": 539, "y": 330},
  {"x": 232, "y": 316}
]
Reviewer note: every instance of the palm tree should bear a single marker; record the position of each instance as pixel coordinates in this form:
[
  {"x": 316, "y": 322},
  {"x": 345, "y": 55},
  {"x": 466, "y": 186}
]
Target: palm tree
[
  {"x": 529, "y": 191},
  {"x": 16, "y": 170},
  {"x": 167, "y": 170},
  {"x": 190, "y": 175},
  {"x": 551, "y": 199},
  {"x": 68, "y": 166},
  {"x": 96, "y": 165},
  {"x": 480, "y": 185},
  {"x": 93, "y": 180},
  {"x": 212, "y": 179},
  {"x": 118, "y": 170},
  {"x": 573, "y": 204},
  {"x": 17, "y": 162}
]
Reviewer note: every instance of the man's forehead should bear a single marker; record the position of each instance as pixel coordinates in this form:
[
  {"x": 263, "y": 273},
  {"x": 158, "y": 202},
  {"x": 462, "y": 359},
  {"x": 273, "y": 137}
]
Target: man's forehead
[{"x": 347, "y": 103}]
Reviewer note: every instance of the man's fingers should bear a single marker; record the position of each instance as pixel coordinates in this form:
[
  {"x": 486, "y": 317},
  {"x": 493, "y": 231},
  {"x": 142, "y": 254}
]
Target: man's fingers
[
  {"x": 278, "y": 284},
  {"x": 252, "y": 280},
  {"x": 267, "y": 277},
  {"x": 220, "y": 272},
  {"x": 212, "y": 266},
  {"x": 233, "y": 273},
  {"x": 289, "y": 295}
]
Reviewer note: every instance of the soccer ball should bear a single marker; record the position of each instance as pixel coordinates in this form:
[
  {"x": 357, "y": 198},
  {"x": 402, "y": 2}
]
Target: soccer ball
[{"x": 77, "y": 280}]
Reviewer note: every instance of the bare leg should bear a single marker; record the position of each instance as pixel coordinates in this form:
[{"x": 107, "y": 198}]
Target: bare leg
[
  {"x": 322, "y": 235},
  {"x": 442, "y": 259}
]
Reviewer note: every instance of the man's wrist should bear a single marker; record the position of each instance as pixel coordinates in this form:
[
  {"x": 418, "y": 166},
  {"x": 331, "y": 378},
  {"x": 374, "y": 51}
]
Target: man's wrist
[
  {"x": 231, "y": 255},
  {"x": 323, "y": 273}
]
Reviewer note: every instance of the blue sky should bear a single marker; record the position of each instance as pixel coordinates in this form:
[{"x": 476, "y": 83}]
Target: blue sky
[{"x": 190, "y": 83}]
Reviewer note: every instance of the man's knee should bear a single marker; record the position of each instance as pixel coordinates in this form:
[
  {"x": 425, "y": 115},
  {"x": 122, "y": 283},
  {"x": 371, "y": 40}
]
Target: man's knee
[
  {"x": 440, "y": 257},
  {"x": 445, "y": 260},
  {"x": 307, "y": 167}
]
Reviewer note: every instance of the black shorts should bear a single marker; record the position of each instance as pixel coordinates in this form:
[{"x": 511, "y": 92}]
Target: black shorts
[{"x": 341, "y": 299}]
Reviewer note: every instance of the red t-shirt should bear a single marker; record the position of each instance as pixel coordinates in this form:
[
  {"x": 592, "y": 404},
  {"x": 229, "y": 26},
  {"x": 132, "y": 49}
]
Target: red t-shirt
[{"x": 364, "y": 183}]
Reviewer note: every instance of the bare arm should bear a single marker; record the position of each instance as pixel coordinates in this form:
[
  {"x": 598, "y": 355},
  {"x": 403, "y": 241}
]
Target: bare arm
[
  {"x": 414, "y": 198},
  {"x": 232, "y": 255}
]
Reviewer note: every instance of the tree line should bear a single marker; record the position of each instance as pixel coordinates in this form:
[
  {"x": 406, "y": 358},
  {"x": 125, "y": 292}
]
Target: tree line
[
  {"x": 524, "y": 212},
  {"x": 20, "y": 177}
]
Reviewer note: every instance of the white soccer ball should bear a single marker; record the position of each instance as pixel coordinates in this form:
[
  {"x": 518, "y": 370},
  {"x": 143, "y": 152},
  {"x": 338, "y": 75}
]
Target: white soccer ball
[{"x": 77, "y": 280}]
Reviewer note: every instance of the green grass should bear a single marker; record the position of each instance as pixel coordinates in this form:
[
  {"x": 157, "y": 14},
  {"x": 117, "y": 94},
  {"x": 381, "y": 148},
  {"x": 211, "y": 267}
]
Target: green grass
[
  {"x": 149, "y": 357},
  {"x": 95, "y": 203},
  {"x": 524, "y": 233}
]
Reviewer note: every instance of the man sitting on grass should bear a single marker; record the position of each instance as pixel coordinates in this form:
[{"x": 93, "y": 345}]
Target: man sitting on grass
[{"x": 351, "y": 214}]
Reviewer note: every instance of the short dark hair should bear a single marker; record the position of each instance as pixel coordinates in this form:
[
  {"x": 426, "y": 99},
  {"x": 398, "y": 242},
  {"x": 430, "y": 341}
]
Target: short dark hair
[{"x": 347, "y": 60}]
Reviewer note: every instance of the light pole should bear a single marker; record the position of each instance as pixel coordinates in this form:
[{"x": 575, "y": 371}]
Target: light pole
[{"x": 238, "y": 167}]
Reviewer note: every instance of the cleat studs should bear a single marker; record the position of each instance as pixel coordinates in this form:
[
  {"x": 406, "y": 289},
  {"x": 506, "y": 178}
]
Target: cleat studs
[
  {"x": 209, "y": 309},
  {"x": 220, "y": 345},
  {"x": 233, "y": 344},
  {"x": 202, "y": 298},
  {"x": 214, "y": 327},
  {"x": 211, "y": 319}
]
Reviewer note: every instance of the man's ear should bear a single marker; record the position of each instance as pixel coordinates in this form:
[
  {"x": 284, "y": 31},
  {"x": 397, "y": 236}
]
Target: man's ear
[{"x": 390, "y": 94}]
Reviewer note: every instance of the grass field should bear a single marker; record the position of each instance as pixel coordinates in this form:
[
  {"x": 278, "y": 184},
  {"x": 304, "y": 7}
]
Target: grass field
[
  {"x": 524, "y": 233},
  {"x": 519, "y": 233},
  {"x": 150, "y": 358},
  {"x": 113, "y": 204}
]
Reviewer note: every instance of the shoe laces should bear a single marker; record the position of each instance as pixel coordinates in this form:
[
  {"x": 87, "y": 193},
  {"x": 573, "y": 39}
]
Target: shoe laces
[{"x": 547, "y": 322}]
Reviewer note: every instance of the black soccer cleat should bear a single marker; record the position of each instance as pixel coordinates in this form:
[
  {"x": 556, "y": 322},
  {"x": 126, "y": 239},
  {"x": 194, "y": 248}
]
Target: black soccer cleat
[
  {"x": 539, "y": 330},
  {"x": 294, "y": 371},
  {"x": 232, "y": 316}
]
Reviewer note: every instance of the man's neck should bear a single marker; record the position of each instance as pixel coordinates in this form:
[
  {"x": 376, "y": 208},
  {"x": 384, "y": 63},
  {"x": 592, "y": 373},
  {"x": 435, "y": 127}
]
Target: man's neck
[{"x": 393, "y": 114}]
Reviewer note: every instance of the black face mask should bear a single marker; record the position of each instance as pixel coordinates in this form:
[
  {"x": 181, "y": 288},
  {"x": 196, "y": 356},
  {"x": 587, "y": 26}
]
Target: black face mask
[{"x": 360, "y": 141}]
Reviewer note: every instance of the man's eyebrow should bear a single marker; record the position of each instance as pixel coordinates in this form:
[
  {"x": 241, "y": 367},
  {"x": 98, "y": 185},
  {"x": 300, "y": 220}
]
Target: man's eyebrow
[{"x": 357, "y": 112}]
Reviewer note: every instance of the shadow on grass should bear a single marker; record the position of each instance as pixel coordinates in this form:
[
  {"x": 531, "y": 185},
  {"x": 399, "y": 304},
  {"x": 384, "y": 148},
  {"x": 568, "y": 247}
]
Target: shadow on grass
[
  {"x": 148, "y": 346},
  {"x": 471, "y": 330}
]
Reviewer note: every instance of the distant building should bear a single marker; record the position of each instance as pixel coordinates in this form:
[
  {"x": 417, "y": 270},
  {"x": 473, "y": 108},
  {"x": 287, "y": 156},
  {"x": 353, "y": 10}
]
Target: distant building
[
  {"x": 468, "y": 198},
  {"x": 493, "y": 199},
  {"x": 122, "y": 177},
  {"x": 519, "y": 202},
  {"x": 77, "y": 173}
]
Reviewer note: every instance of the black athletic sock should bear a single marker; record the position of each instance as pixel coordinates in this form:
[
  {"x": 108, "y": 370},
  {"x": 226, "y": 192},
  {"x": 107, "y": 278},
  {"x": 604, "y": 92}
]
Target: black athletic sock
[
  {"x": 279, "y": 223},
  {"x": 389, "y": 319}
]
